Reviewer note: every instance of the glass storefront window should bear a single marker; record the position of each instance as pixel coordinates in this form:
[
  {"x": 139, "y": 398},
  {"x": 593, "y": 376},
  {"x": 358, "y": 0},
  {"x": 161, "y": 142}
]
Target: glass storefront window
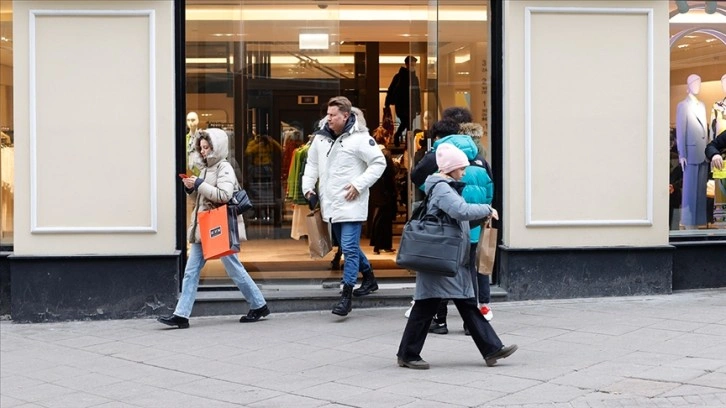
[
  {"x": 7, "y": 154},
  {"x": 698, "y": 115},
  {"x": 264, "y": 71}
]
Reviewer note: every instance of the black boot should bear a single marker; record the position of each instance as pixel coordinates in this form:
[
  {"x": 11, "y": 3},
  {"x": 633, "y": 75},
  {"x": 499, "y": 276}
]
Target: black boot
[
  {"x": 335, "y": 263},
  {"x": 368, "y": 285},
  {"x": 345, "y": 305}
]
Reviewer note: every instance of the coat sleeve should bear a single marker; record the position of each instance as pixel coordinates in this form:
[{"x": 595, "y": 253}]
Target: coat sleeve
[
  {"x": 450, "y": 202},
  {"x": 391, "y": 93},
  {"x": 311, "y": 172},
  {"x": 716, "y": 145},
  {"x": 372, "y": 156},
  {"x": 424, "y": 168},
  {"x": 226, "y": 182}
]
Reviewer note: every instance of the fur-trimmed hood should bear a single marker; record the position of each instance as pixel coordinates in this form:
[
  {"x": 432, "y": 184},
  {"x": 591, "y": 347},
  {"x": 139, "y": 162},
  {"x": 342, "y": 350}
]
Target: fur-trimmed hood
[
  {"x": 220, "y": 147},
  {"x": 356, "y": 123}
]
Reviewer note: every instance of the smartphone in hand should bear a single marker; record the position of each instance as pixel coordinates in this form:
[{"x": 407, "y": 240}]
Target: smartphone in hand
[{"x": 183, "y": 175}]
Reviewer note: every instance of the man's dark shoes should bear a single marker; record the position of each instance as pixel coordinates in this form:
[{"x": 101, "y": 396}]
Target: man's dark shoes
[
  {"x": 419, "y": 364},
  {"x": 255, "y": 314},
  {"x": 503, "y": 352},
  {"x": 345, "y": 304},
  {"x": 174, "y": 320},
  {"x": 367, "y": 286}
]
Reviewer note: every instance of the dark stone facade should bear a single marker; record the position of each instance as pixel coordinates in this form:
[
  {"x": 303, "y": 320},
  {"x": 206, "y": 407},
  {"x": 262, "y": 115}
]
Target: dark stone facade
[
  {"x": 45, "y": 289},
  {"x": 587, "y": 272},
  {"x": 699, "y": 265}
]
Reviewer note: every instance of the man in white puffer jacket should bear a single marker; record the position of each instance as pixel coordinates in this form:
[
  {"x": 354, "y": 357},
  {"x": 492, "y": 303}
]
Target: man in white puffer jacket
[{"x": 347, "y": 161}]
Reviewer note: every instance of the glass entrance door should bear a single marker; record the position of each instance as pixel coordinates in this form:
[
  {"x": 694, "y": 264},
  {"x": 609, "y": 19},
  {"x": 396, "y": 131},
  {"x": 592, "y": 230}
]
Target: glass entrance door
[{"x": 264, "y": 72}]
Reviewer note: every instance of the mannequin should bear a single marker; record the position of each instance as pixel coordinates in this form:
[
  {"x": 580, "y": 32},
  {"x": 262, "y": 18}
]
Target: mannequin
[
  {"x": 193, "y": 125},
  {"x": 718, "y": 112},
  {"x": 691, "y": 139}
]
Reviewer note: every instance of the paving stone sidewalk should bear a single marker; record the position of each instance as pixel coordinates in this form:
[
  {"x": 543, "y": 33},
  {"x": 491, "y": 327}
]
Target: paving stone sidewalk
[{"x": 644, "y": 351}]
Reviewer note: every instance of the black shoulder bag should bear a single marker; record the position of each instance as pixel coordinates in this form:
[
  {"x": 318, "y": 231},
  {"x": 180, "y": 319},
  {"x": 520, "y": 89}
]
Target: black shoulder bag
[{"x": 431, "y": 243}]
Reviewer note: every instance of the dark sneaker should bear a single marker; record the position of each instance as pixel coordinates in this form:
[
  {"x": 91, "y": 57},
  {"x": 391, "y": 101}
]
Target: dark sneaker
[
  {"x": 419, "y": 364},
  {"x": 503, "y": 352},
  {"x": 466, "y": 330},
  {"x": 174, "y": 320},
  {"x": 255, "y": 314},
  {"x": 438, "y": 328}
]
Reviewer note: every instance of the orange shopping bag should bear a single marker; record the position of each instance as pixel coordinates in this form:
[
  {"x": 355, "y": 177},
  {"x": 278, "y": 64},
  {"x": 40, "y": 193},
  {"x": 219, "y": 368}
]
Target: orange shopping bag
[{"x": 218, "y": 238}]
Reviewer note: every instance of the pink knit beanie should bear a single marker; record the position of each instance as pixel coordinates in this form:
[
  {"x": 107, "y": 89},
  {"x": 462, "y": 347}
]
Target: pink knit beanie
[{"x": 450, "y": 158}]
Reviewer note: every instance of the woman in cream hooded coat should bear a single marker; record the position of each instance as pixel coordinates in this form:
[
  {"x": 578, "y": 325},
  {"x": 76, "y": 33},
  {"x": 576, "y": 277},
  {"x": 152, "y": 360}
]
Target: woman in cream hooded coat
[{"x": 213, "y": 187}]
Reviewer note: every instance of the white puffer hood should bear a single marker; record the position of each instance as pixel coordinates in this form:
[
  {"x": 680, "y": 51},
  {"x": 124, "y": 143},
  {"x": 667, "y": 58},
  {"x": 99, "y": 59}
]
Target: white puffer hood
[{"x": 220, "y": 147}]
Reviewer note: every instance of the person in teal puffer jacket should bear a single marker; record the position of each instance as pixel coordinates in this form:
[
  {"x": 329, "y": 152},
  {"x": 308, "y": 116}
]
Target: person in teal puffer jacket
[{"x": 479, "y": 189}]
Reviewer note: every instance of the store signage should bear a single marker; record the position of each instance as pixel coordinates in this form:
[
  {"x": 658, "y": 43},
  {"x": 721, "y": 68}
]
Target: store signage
[{"x": 307, "y": 99}]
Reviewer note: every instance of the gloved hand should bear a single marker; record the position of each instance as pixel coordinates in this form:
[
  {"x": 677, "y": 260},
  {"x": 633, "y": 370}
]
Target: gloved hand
[{"x": 313, "y": 201}]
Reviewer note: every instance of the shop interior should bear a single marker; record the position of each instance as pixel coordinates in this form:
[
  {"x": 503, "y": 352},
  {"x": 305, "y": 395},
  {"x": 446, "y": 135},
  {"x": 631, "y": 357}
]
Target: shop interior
[
  {"x": 698, "y": 88},
  {"x": 7, "y": 149},
  {"x": 264, "y": 71}
]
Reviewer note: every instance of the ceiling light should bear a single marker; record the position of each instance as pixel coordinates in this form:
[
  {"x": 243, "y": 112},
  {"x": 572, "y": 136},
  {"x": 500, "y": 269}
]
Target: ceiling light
[
  {"x": 462, "y": 58},
  {"x": 352, "y": 13},
  {"x": 314, "y": 41}
]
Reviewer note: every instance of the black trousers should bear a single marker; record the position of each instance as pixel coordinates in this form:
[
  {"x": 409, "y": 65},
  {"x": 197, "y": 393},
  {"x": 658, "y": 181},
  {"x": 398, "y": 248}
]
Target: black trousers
[
  {"x": 382, "y": 230},
  {"x": 417, "y": 328},
  {"x": 405, "y": 118}
]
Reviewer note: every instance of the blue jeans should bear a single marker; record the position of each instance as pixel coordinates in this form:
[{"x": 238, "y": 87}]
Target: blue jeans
[
  {"x": 355, "y": 260},
  {"x": 234, "y": 269}
]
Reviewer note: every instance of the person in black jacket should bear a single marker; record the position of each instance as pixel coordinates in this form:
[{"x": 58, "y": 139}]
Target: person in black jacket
[
  {"x": 675, "y": 185},
  {"x": 404, "y": 93},
  {"x": 716, "y": 146},
  {"x": 427, "y": 165},
  {"x": 715, "y": 151},
  {"x": 383, "y": 203},
  {"x": 451, "y": 120}
]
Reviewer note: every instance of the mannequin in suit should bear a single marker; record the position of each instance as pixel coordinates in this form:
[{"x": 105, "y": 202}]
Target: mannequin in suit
[
  {"x": 691, "y": 139},
  {"x": 718, "y": 113}
]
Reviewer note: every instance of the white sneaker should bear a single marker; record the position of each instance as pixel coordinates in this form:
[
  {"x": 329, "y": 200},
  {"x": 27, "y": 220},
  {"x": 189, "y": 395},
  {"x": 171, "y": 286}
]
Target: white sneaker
[{"x": 408, "y": 312}]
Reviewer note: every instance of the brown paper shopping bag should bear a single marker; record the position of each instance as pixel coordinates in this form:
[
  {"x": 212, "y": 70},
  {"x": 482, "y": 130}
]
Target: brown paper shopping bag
[
  {"x": 487, "y": 249},
  {"x": 319, "y": 242}
]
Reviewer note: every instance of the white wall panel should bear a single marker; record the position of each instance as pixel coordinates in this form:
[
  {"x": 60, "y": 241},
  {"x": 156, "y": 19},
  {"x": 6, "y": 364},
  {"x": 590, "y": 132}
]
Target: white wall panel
[
  {"x": 586, "y": 123},
  {"x": 92, "y": 136},
  {"x": 94, "y": 127}
]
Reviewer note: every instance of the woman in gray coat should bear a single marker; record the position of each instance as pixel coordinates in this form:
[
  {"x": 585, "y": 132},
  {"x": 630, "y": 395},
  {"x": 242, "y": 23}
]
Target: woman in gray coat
[{"x": 444, "y": 190}]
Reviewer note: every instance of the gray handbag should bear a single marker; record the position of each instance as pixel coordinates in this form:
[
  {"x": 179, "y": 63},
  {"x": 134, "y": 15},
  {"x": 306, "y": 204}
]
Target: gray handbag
[{"x": 431, "y": 243}]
